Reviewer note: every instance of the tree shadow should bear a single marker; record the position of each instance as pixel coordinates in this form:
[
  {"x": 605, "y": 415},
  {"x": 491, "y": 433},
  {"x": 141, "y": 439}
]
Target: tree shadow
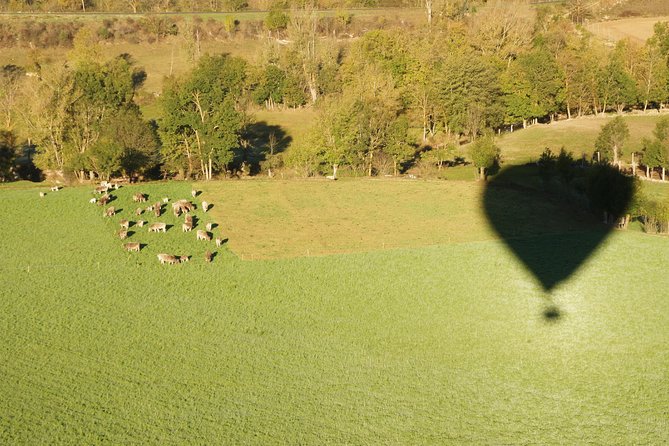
[
  {"x": 553, "y": 234},
  {"x": 263, "y": 139}
]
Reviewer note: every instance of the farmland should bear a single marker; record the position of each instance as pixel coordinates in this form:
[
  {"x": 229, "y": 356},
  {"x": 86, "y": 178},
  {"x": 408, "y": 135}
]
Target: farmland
[{"x": 409, "y": 345}]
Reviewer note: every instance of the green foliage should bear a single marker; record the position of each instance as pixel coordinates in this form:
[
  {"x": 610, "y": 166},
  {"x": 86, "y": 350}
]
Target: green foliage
[
  {"x": 271, "y": 86},
  {"x": 277, "y": 20},
  {"x": 611, "y": 140},
  {"x": 610, "y": 191},
  {"x": 201, "y": 123},
  {"x": 7, "y": 155},
  {"x": 484, "y": 153},
  {"x": 533, "y": 87}
]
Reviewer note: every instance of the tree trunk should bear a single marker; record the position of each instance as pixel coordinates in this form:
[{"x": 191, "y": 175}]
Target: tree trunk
[
  {"x": 371, "y": 159},
  {"x": 662, "y": 173},
  {"x": 524, "y": 124},
  {"x": 334, "y": 171},
  {"x": 394, "y": 167},
  {"x": 647, "y": 172},
  {"x": 568, "y": 111}
]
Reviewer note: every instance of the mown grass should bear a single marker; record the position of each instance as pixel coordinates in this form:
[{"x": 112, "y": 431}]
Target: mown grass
[
  {"x": 575, "y": 135},
  {"x": 279, "y": 219},
  {"x": 434, "y": 345}
]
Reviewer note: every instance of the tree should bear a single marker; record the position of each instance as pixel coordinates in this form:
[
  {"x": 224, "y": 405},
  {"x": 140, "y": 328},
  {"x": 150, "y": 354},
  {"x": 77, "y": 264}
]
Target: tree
[
  {"x": 7, "y": 155},
  {"x": 611, "y": 140},
  {"x": 484, "y": 154},
  {"x": 11, "y": 83},
  {"x": 533, "y": 87},
  {"x": 277, "y": 20},
  {"x": 397, "y": 144},
  {"x": 202, "y": 122},
  {"x": 616, "y": 85}
]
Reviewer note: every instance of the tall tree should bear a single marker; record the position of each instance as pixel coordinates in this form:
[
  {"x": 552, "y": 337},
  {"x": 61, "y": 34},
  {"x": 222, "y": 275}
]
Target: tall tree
[
  {"x": 611, "y": 140},
  {"x": 202, "y": 121},
  {"x": 484, "y": 154}
]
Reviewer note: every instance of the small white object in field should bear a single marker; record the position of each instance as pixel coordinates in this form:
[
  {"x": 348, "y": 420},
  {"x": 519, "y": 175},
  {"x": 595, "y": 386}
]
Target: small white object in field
[
  {"x": 93, "y": 200},
  {"x": 42, "y": 194},
  {"x": 165, "y": 200}
]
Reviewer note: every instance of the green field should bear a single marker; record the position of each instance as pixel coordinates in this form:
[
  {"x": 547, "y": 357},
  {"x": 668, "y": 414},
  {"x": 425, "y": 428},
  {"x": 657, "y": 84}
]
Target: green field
[
  {"x": 575, "y": 135},
  {"x": 446, "y": 344}
]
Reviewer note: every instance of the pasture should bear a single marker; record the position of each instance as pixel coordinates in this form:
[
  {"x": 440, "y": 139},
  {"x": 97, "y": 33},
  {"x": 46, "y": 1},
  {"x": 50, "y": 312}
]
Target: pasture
[
  {"x": 575, "y": 135},
  {"x": 416, "y": 345},
  {"x": 638, "y": 29}
]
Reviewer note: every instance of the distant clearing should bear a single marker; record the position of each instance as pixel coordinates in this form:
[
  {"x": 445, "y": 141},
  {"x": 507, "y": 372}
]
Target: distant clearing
[{"x": 637, "y": 28}]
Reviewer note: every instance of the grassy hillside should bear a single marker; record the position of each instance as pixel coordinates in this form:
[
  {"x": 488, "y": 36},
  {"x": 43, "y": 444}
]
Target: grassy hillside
[
  {"x": 576, "y": 135},
  {"x": 436, "y": 345}
]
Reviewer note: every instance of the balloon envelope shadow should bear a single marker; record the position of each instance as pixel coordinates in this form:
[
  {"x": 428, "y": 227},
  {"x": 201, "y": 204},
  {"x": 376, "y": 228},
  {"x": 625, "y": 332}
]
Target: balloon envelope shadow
[{"x": 551, "y": 234}]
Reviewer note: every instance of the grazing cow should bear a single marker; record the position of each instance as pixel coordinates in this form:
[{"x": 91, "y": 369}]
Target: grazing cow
[
  {"x": 93, "y": 200},
  {"x": 110, "y": 211},
  {"x": 140, "y": 223},
  {"x": 156, "y": 211},
  {"x": 203, "y": 235},
  {"x": 209, "y": 226},
  {"x": 193, "y": 193},
  {"x": 205, "y": 206},
  {"x": 219, "y": 242},
  {"x": 139, "y": 197},
  {"x": 183, "y": 259},
  {"x": 55, "y": 188},
  {"x": 157, "y": 227},
  {"x": 125, "y": 224},
  {"x": 101, "y": 190},
  {"x": 167, "y": 258},
  {"x": 188, "y": 218},
  {"x": 104, "y": 200},
  {"x": 42, "y": 194},
  {"x": 139, "y": 211},
  {"x": 116, "y": 186},
  {"x": 131, "y": 246},
  {"x": 208, "y": 256},
  {"x": 123, "y": 234},
  {"x": 187, "y": 227}
]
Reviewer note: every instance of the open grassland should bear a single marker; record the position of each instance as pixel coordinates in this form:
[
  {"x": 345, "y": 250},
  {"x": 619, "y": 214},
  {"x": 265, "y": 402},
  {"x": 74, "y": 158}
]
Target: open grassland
[
  {"x": 575, "y": 135},
  {"x": 638, "y": 29},
  {"x": 278, "y": 219},
  {"x": 434, "y": 345}
]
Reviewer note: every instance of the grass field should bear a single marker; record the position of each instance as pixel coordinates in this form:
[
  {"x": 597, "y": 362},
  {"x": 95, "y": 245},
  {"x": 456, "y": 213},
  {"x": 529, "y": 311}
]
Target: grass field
[
  {"x": 638, "y": 29},
  {"x": 436, "y": 345},
  {"x": 575, "y": 135},
  {"x": 279, "y": 219}
]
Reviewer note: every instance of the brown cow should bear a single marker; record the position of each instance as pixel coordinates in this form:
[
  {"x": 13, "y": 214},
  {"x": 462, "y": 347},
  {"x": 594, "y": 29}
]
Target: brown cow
[
  {"x": 189, "y": 219},
  {"x": 167, "y": 258},
  {"x": 123, "y": 234},
  {"x": 183, "y": 259},
  {"x": 209, "y": 226},
  {"x": 208, "y": 256},
  {"x": 157, "y": 227},
  {"x": 203, "y": 235},
  {"x": 140, "y": 223},
  {"x": 131, "y": 246},
  {"x": 125, "y": 224},
  {"x": 110, "y": 211},
  {"x": 219, "y": 241},
  {"x": 139, "y": 211},
  {"x": 139, "y": 197},
  {"x": 193, "y": 193},
  {"x": 187, "y": 227}
]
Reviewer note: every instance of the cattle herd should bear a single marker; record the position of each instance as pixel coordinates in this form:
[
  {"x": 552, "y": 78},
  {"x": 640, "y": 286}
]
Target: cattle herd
[{"x": 181, "y": 207}]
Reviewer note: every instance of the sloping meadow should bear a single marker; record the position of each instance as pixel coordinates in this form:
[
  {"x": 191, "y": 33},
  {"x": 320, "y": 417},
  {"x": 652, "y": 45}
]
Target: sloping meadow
[{"x": 409, "y": 346}]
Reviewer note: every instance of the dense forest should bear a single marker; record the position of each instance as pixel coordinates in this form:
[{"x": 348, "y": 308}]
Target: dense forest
[{"x": 385, "y": 99}]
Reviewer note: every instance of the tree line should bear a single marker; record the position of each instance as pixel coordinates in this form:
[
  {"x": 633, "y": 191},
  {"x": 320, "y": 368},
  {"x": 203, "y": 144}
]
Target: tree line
[{"x": 385, "y": 101}]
